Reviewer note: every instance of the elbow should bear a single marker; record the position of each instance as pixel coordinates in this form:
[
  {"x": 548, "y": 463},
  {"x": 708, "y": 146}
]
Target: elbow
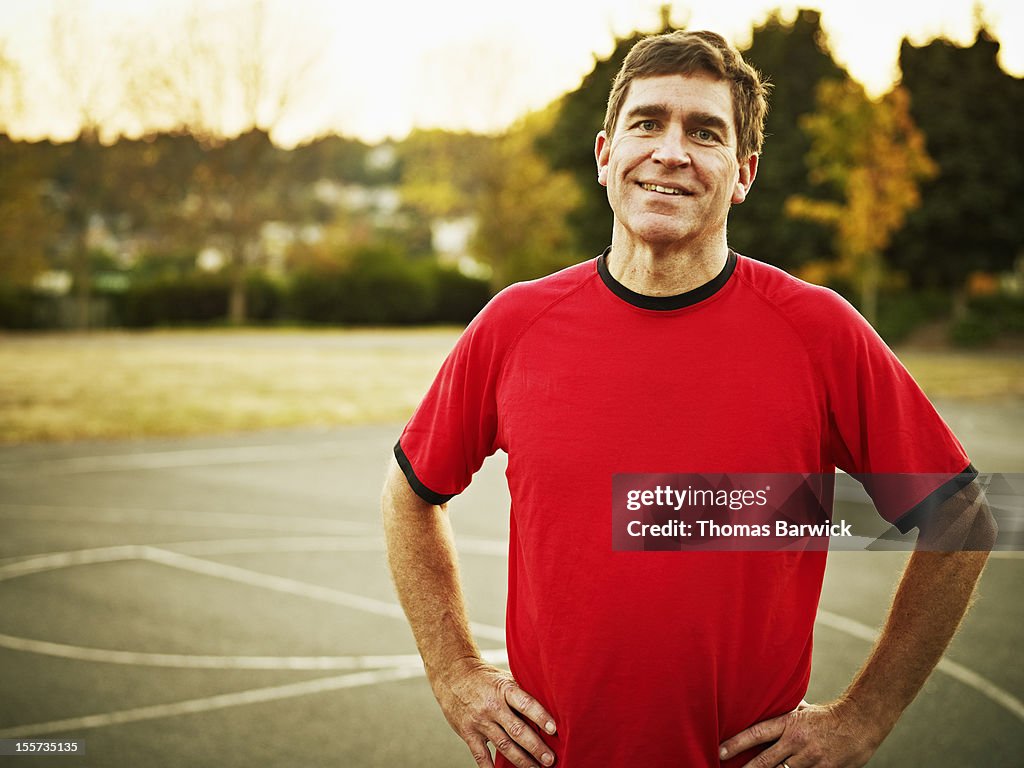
[{"x": 984, "y": 531}]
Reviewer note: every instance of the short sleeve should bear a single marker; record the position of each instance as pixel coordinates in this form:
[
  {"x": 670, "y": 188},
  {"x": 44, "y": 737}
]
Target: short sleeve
[
  {"x": 455, "y": 426},
  {"x": 883, "y": 430}
]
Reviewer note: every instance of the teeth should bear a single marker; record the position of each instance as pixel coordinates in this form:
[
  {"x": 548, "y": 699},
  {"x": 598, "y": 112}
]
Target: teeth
[{"x": 663, "y": 190}]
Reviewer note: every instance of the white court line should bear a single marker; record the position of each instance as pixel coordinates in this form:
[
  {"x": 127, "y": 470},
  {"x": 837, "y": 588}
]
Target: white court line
[
  {"x": 222, "y": 571},
  {"x": 836, "y": 621},
  {"x": 295, "y": 587},
  {"x": 183, "y": 518},
  {"x": 222, "y": 701},
  {"x": 465, "y": 545},
  {"x": 54, "y": 560},
  {"x": 58, "y": 560},
  {"x": 190, "y": 661},
  {"x": 192, "y": 457},
  {"x": 195, "y": 661},
  {"x": 957, "y": 671}
]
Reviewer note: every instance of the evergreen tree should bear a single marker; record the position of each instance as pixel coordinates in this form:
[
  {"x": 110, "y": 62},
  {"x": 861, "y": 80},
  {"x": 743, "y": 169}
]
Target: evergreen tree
[
  {"x": 972, "y": 216},
  {"x": 795, "y": 58},
  {"x": 569, "y": 146}
]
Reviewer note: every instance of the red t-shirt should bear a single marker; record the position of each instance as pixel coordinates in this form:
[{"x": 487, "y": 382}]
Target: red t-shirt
[{"x": 653, "y": 658}]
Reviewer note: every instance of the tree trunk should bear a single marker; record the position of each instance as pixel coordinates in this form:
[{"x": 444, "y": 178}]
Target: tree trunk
[
  {"x": 238, "y": 311},
  {"x": 83, "y": 286},
  {"x": 869, "y": 289},
  {"x": 959, "y": 302}
]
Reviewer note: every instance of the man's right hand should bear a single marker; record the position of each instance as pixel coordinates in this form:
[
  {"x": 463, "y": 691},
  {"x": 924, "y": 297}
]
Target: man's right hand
[{"x": 483, "y": 704}]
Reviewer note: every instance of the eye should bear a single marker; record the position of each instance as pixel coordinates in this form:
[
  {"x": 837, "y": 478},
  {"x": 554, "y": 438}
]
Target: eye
[
  {"x": 703, "y": 134},
  {"x": 647, "y": 125}
]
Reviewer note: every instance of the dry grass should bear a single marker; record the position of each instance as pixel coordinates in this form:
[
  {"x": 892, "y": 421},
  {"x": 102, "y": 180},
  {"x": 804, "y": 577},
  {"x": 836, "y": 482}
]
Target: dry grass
[
  {"x": 118, "y": 385},
  {"x": 67, "y": 387},
  {"x": 967, "y": 375}
]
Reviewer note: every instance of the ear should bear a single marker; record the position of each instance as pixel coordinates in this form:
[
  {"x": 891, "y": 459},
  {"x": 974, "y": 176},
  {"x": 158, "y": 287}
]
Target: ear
[
  {"x": 748, "y": 170},
  {"x": 602, "y": 148}
]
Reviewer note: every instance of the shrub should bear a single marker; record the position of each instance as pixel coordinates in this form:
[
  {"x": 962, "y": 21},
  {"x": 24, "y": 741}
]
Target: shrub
[
  {"x": 379, "y": 286},
  {"x": 459, "y": 297},
  {"x": 900, "y": 313},
  {"x": 17, "y": 308},
  {"x": 1006, "y": 312},
  {"x": 264, "y": 298},
  {"x": 974, "y": 330},
  {"x": 176, "y": 301}
]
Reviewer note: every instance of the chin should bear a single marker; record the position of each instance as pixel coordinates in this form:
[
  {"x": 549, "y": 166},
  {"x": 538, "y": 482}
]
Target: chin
[{"x": 663, "y": 235}]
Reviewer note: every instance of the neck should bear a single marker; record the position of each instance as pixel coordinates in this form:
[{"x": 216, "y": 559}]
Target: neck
[{"x": 664, "y": 270}]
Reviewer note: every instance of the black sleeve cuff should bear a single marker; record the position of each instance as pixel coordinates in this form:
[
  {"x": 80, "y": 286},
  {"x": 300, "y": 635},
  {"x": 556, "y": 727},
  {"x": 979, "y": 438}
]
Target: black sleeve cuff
[
  {"x": 421, "y": 490},
  {"x": 923, "y": 509}
]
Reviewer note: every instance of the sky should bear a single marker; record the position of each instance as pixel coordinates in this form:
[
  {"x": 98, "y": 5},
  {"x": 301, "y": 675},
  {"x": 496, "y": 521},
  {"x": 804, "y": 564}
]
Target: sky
[{"x": 378, "y": 69}]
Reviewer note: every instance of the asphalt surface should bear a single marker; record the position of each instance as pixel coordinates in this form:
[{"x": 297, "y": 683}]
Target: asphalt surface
[{"x": 225, "y": 602}]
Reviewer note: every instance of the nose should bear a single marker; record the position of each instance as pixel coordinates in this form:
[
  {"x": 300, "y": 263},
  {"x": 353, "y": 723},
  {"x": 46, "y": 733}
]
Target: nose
[{"x": 671, "y": 150}]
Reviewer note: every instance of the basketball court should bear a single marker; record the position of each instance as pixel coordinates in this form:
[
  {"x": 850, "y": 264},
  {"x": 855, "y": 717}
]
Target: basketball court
[{"x": 225, "y": 602}]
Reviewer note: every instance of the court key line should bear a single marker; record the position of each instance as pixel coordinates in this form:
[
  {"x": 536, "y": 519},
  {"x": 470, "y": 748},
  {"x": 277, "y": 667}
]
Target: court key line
[
  {"x": 957, "y": 671},
  {"x": 221, "y": 701},
  {"x": 290, "y": 586},
  {"x": 183, "y": 518}
]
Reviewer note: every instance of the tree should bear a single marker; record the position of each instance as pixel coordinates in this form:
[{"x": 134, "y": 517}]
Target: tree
[
  {"x": 441, "y": 172},
  {"x": 24, "y": 220},
  {"x": 223, "y": 74},
  {"x": 972, "y": 216},
  {"x": 568, "y": 145},
  {"x": 522, "y": 208},
  {"x": 873, "y": 155},
  {"x": 85, "y": 69},
  {"x": 796, "y": 59}
]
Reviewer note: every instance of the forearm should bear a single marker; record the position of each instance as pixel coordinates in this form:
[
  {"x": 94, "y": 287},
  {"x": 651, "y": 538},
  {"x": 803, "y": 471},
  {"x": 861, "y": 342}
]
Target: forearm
[
  {"x": 932, "y": 598},
  {"x": 482, "y": 703},
  {"x": 424, "y": 566}
]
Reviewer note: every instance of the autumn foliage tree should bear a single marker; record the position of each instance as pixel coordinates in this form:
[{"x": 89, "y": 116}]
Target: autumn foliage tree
[
  {"x": 24, "y": 220},
  {"x": 871, "y": 152},
  {"x": 523, "y": 207},
  {"x": 795, "y": 57}
]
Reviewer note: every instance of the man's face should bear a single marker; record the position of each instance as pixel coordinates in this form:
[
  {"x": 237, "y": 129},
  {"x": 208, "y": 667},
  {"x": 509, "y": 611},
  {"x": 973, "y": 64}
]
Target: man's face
[{"x": 671, "y": 167}]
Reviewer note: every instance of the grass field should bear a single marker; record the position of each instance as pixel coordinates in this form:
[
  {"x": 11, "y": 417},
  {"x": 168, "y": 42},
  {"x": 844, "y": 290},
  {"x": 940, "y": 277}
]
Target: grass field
[{"x": 62, "y": 387}]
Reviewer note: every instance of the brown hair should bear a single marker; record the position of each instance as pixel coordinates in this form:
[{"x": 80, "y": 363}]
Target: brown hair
[{"x": 683, "y": 53}]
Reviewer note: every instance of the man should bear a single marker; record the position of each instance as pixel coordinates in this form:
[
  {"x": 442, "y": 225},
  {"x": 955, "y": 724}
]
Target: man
[{"x": 671, "y": 353}]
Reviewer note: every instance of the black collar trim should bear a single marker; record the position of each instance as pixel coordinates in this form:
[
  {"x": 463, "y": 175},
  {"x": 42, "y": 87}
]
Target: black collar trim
[{"x": 664, "y": 303}]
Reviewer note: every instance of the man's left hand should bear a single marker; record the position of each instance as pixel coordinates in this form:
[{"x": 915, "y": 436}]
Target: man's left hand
[{"x": 811, "y": 736}]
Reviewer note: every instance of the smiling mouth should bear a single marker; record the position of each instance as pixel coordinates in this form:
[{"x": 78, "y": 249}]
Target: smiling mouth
[{"x": 663, "y": 190}]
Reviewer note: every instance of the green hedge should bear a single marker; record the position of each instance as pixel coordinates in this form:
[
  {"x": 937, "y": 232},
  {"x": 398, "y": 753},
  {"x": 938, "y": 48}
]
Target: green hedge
[
  {"x": 900, "y": 313},
  {"x": 989, "y": 318},
  {"x": 380, "y": 287},
  {"x": 375, "y": 286},
  {"x": 194, "y": 300},
  {"x": 18, "y": 308}
]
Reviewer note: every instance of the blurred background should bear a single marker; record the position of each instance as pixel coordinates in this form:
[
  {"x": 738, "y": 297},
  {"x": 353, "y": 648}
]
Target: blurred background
[
  {"x": 222, "y": 218},
  {"x": 251, "y": 162}
]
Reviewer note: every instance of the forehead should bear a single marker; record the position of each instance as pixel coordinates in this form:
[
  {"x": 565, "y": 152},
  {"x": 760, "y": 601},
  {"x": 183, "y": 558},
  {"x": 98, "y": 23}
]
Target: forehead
[{"x": 682, "y": 94}]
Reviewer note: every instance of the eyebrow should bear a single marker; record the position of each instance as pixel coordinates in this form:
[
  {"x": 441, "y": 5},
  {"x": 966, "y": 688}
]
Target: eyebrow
[
  {"x": 661, "y": 111},
  {"x": 647, "y": 110}
]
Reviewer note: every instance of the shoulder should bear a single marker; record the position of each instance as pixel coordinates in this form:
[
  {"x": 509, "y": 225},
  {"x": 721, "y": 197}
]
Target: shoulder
[
  {"x": 511, "y": 312},
  {"x": 813, "y": 309},
  {"x": 520, "y": 304}
]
